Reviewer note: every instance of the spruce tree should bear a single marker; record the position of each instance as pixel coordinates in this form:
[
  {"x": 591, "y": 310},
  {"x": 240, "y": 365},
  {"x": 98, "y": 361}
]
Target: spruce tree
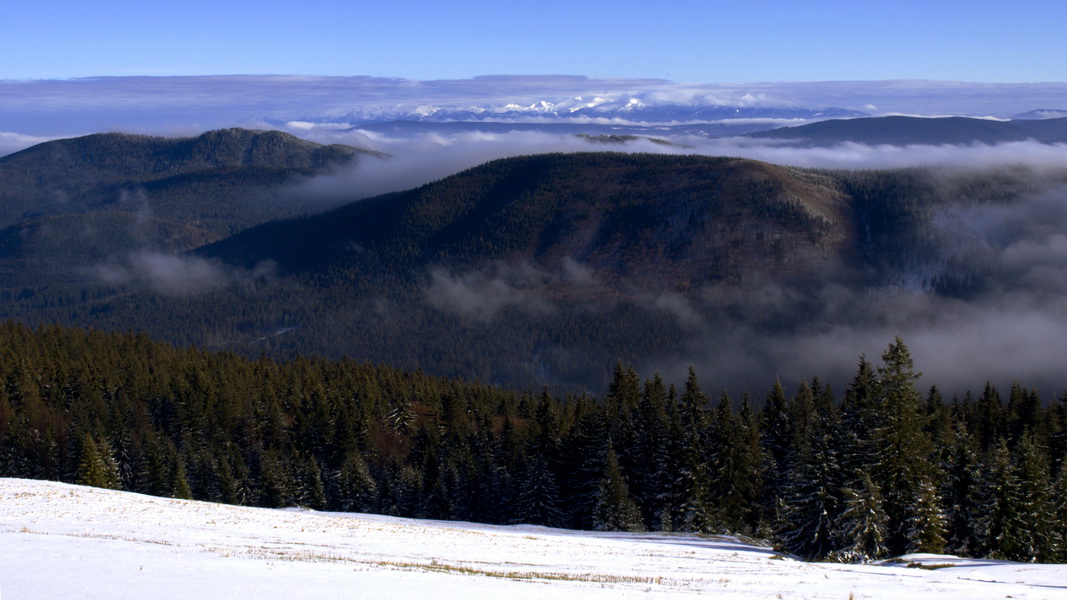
[
  {"x": 357, "y": 490},
  {"x": 1001, "y": 524},
  {"x": 812, "y": 499},
  {"x": 903, "y": 452},
  {"x": 926, "y": 524},
  {"x": 536, "y": 494},
  {"x": 961, "y": 491},
  {"x": 861, "y": 536},
  {"x": 615, "y": 509},
  {"x": 1039, "y": 541},
  {"x": 97, "y": 467},
  {"x": 650, "y": 455}
]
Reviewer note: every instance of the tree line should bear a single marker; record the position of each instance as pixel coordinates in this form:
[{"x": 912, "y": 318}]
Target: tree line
[{"x": 878, "y": 470}]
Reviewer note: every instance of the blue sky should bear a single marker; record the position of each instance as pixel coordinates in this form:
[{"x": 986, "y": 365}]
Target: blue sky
[{"x": 681, "y": 40}]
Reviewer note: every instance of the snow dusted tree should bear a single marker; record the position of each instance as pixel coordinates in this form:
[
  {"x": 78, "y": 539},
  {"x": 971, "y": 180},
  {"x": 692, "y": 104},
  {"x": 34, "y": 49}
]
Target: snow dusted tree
[
  {"x": 537, "y": 494},
  {"x": 584, "y": 454},
  {"x": 1000, "y": 518},
  {"x": 311, "y": 492},
  {"x": 358, "y": 490},
  {"x": 692, "y": 495},
  {"x": 926, "y": 522},
  {"x": 812, "y": 498},
  {"x": 862, "y": 527},
  {"x": 97, "y": 467},
  {"x": 902, "y": 464},
  {"x": 737, "y": 466},
  {"x": 650, "y": 454},
  {"x": 1060, "y": 507},
  {"x": 961, "y": 494},
  {"x": 615, "y": 510},
  {"x": 1038, "y": 540}
]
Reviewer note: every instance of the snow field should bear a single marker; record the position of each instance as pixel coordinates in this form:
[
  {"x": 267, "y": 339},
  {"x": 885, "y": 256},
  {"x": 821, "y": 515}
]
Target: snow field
[{"x": 62, "y": 541}]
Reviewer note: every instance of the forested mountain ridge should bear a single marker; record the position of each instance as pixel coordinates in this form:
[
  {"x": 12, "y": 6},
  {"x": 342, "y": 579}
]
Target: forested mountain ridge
[
  {"x": 65, "y": 175},
  {"x": 674, "y": 221},
  {"x": 903, "y": 131},
  {"x": 80, "y": 200},
  {"x": 540, "y": 269}
]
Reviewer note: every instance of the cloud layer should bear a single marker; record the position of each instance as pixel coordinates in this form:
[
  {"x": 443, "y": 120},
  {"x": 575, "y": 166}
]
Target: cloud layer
[{"x": 186, "y": 105}]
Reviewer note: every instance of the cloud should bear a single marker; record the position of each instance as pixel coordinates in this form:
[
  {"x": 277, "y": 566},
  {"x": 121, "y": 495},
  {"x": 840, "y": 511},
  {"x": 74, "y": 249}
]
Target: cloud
[
  {"x": 172, "y": 275},
  {"x": 190, "y": 104},
  {"x": 13, "y": 142},
  {"x": 1009, "y": 324},
  {"x": 426, "y": 157},
  {"x": 481, "y": 294}
]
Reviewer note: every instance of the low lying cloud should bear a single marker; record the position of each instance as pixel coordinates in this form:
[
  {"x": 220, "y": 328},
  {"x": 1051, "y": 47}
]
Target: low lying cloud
[
  {"x": 13, "y": 142},
  {"x": 1008, "y": 321},
  {"x": 481, "y": 295},
  {"x": 173, "y": 275},
  {"x": 427, "y": 155}
]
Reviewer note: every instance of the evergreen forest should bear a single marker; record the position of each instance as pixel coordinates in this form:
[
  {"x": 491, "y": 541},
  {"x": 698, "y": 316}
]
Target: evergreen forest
[{"x": 878, "y": 469}]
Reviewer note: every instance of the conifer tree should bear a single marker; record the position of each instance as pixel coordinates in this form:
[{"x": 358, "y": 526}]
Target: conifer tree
[
  {"x": 536, "y": 494},
  {"x": 902, "y": 463},
  {"x": 615, "y": 509},
  {"x": 926, "y": 523},
  {"x": 736, "y": 467},
  {"x": 861, "y": 536},
  {"x": 1059, "y": 533},
  {"x": 180, "y": 482},
  {"x": 691, "y": 487},
  {"x": 774, "y": 435},
  {"x": 650, "y": 454},
  {"x": 812, "y": 500},
  {"x": 97, "y": 467},
  {"x": 358, "y": 491},
  {"x": 961, "y": 493},
  {"x": 1001, "y": 521},
  {"x": 584, "y": 453},
  {"x": 1038, "y": 538}
]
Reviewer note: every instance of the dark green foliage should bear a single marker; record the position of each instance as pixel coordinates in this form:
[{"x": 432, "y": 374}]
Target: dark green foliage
[
  {"x": 124, "y": 412},
  {"x": 97, "y": 466},
  {"x": 615, "y": 509},
  {"x": 862, "y": 529}
]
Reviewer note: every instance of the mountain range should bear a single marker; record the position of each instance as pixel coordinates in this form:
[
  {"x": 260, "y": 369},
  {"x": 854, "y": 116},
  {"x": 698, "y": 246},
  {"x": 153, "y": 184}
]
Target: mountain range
[{"x": 530, "y": 270}]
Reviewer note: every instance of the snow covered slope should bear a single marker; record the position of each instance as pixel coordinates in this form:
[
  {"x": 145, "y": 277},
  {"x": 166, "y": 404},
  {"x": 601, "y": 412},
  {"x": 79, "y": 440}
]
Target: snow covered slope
[{"x": 62, "y": 541}]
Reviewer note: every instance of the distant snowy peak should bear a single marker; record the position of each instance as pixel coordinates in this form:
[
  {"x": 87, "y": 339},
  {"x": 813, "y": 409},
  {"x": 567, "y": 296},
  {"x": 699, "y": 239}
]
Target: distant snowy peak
[{"x": 592, "y": 108}]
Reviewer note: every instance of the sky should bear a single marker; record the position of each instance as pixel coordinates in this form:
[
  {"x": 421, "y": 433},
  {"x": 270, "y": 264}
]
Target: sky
[{"x": 676, "y": 40}]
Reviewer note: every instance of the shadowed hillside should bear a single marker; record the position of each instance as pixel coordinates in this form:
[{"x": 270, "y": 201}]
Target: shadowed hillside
[
  {"x": 77, "y": 200},
  {"x": 903, "y": 131},
  {"x": 547, "y": 269}
]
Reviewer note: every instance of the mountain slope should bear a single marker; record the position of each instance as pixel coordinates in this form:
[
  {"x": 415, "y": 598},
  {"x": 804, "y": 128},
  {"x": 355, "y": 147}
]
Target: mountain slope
[
  {"x": 903, "y": 131},
  {"x": 66, "y": 175},
  {"x": 80, "y": 200},
  {"x": 676, "y": 222},
  {"x": 548, "y": 269}
]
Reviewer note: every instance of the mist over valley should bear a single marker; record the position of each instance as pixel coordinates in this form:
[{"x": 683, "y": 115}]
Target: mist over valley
[{"x": 549, "y": 255}]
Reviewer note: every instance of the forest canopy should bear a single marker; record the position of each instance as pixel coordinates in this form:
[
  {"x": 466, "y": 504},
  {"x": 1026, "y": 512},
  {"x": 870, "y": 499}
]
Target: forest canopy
[{"x": 879, "y": 469}]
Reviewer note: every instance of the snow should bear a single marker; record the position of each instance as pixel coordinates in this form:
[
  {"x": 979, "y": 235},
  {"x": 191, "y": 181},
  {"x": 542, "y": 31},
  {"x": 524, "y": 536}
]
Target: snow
[{"x": 63, "y": 541}]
